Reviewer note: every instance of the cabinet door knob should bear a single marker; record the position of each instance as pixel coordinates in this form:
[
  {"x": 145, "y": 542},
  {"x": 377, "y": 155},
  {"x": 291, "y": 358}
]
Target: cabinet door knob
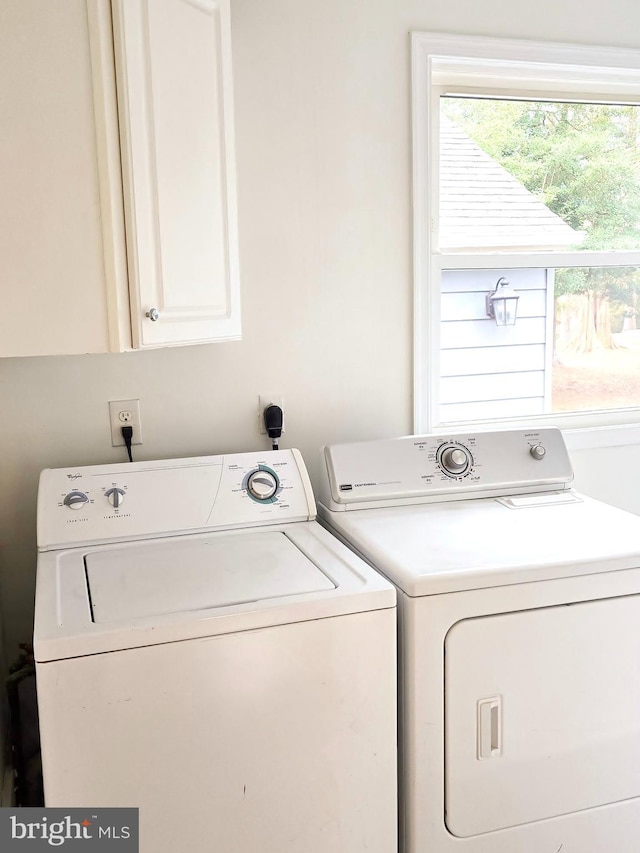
[{"x": 153, "y": 314}]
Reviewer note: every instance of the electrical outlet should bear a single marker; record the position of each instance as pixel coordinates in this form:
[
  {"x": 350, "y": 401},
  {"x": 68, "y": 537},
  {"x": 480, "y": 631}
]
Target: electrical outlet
[
  {"x": 125, "y": 413},
  {"x": 265, "y": 400}
]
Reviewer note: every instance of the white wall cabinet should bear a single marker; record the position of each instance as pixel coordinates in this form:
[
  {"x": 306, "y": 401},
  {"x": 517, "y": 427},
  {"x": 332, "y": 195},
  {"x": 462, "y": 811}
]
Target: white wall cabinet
[
  {"x": 173, "y": 73},
  {"x": 119, "y": 176}
]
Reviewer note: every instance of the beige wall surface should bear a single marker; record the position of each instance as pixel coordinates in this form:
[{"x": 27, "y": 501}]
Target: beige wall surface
[{"x": 322, "y": 100}]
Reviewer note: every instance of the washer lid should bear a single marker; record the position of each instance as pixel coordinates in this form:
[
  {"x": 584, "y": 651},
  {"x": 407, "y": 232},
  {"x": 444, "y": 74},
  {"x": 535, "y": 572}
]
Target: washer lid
[
  {"x": 177, "y": 577},
  {"x": 107, "y": 598}
]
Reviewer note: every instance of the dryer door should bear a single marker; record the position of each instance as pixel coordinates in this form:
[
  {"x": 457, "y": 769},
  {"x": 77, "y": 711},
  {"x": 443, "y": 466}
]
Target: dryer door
[{"x": 542, "y": 713}]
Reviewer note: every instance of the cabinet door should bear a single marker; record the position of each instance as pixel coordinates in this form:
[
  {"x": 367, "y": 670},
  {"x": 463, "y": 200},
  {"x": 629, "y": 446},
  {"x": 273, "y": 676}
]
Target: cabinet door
[{"x": 173, "y": 73}]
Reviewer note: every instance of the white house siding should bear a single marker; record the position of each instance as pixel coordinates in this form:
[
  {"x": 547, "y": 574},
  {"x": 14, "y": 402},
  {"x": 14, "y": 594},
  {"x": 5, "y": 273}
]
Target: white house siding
[{"x": 489, "y": 371}]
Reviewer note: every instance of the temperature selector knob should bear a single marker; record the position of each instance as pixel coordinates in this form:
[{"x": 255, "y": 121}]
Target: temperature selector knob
[
  {"x": 538, "y": 451},
  {"x": 76, "y": 500},
  {"x": 115, "y": 497},
  {"x": 455, "y": 460},
  {"x": 262, "y": 484}
]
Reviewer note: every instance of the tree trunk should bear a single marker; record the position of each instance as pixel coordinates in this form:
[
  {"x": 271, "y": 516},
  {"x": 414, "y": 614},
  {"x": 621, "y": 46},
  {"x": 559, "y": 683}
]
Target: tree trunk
[
  {"x": 583, "y": 323},
  {"x": 602, "y": 318}
]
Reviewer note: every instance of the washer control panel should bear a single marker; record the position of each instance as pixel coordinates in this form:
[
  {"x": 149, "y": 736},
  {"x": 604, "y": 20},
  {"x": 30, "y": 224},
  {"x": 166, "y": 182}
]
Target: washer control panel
[
  {"x": 438, "y": 467},
  {"x": 144, "y": 499}
]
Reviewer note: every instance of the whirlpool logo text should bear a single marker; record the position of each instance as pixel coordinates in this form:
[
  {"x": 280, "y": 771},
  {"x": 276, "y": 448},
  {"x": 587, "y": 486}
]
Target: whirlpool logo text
[{"x": 32, "y": 829}]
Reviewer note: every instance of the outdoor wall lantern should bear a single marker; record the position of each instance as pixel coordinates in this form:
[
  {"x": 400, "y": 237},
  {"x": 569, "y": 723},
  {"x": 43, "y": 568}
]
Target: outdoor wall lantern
[{"x": 502, "y": 304}]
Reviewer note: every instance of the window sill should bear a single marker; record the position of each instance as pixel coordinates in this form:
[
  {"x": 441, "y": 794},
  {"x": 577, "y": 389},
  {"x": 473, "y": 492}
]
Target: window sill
[{"x": 605, "y": 436}]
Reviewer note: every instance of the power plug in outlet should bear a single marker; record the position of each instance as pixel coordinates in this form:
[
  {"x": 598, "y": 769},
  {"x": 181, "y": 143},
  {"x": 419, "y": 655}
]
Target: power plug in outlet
[
  {"x": 265, "y": 400},
  {"x": 125, "y": 413}
]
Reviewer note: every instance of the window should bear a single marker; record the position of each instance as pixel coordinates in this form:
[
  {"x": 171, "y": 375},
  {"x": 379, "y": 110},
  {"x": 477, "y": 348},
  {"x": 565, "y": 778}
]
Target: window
[{"x": 526, "y": 172}]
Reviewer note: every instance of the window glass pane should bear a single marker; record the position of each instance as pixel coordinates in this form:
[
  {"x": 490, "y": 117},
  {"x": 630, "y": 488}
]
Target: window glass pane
[
  {"x": 575, "y": 345},
  {"x": 520, "y": 175},
  {"x": 596, "y": 359}
]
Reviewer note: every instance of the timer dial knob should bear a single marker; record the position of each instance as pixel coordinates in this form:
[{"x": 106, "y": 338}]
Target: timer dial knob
[
  {"x": 115, "y": 497},
  {"x": 76, "y": 500},
  {"x": 538, "y": 451},
  {"x": 262, "y": 485},
  {"x": 454, "y": 460}
]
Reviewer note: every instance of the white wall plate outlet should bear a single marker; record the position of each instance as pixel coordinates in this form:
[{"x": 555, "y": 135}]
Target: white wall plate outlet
[
  {"x": 265, "y": 400},
  {"x": 125, "y": 413}
]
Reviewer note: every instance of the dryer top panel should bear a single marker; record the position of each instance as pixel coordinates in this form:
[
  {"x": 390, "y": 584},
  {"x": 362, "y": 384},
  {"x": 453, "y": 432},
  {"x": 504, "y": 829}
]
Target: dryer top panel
[
  {"x": 420, "y": 469},
  {"x": 476, "y": 544}
]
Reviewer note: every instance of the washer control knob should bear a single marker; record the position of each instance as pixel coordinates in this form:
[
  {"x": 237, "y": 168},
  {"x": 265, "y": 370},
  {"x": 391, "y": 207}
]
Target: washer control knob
[
  {"x": 76, "y": 500},
  {"x": 262, "y": 485},
  {"x": 115, "y": 497},
  {"x": 454, "y": 460},
  {"x": 538, "y": 451}
]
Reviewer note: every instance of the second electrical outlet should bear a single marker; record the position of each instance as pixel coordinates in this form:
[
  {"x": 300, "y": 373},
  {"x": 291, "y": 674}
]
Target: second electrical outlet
[{"x": 125, "y": 413}]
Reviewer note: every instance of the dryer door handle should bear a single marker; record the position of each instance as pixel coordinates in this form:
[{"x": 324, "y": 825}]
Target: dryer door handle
[{"x": 489, "y": 736}]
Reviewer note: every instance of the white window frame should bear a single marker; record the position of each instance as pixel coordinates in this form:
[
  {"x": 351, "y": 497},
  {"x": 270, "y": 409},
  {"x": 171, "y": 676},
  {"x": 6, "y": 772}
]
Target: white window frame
[{"x": 512, "y": 68}]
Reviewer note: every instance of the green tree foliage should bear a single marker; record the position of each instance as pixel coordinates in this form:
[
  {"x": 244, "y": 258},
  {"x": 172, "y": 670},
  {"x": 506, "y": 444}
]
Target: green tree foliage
[{"x": 583, "y": 162}]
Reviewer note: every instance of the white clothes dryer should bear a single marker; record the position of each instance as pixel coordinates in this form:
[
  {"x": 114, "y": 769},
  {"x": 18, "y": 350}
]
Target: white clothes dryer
[
  {"x": 519, "y": 613},
  {"x": 207, "y": 652}
]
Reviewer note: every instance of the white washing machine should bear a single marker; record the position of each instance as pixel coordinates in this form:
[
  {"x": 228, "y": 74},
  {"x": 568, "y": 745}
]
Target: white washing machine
[
  {"x": 207, "y": 652},
  {"x": 519, "y": 612}
]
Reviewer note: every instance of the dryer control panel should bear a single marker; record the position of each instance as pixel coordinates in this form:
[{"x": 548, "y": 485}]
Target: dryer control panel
[
  {"x": 106, "y": 503},
  {"x": 441, "y": 467}
]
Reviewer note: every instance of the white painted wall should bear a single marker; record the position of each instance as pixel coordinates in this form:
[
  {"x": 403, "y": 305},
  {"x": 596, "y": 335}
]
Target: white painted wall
[
  {"x": 609, "y": 474},
  {"x": 323, "y": 134}
]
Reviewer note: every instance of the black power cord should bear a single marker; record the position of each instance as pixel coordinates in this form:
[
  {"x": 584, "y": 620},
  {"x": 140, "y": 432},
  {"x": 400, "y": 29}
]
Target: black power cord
[
  {"x": 127, "y": 434},
  {"x": 273, "y": 421}
]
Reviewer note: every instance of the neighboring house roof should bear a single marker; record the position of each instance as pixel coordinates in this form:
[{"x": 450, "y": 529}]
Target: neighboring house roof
[{"x": 484, "y": 207}]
